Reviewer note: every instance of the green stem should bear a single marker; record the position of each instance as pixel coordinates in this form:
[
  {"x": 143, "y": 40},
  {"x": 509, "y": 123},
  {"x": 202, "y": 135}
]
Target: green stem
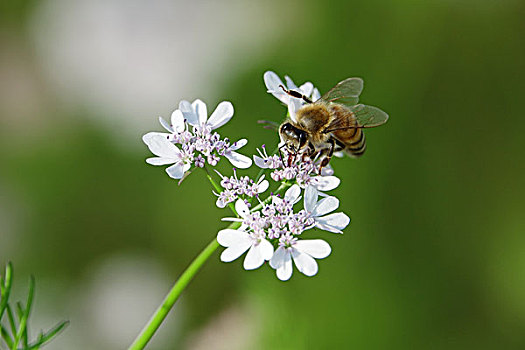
[
  {"x": 160, "y": 314},
  {"x": 158, "y": 317}
]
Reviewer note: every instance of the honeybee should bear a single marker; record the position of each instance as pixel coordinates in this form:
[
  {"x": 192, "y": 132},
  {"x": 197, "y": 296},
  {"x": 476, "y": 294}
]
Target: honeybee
[{"x": 333, "y": 123}]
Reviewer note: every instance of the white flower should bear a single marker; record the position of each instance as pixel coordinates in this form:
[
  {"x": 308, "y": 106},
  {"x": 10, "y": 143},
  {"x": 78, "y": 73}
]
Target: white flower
[
  {"x": 167, "y": 153},
  {"x": 199, "y": 146},
  {"x": 246, "y": 218},
  {"x": 238, "y": 160},
  {"x": 291, "y": 196},
  {"x": 302, "y": 252},
  {"x": 196, "y": 114},
  {"x": 238, "y": 242},
  {"x": 261, "y": 185},
  {"x": 273, "y": 84},
  {"x": 177, "y": 122},
  {"x": 333, "y": 222},
  {"x": 265, "y": 161}
]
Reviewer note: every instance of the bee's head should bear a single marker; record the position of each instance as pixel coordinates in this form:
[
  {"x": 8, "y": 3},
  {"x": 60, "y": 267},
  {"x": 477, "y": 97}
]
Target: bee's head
[{"x": 294, "y": 138}]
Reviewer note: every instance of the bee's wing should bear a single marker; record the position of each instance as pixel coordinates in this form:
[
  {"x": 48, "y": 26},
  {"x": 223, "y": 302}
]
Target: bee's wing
[
  {"x": 345, "y": 92},
  {"x": 365, "y": 116}
]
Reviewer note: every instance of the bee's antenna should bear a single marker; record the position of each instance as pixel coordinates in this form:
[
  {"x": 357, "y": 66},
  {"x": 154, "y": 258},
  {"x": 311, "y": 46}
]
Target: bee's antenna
[
  {"x": 296, "y": 94},
  {"x": 269, "y": 124}
]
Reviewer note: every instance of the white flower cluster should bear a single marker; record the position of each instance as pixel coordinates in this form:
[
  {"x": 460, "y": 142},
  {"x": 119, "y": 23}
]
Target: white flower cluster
[
  {"x": 235, "y": 187},
  {"x": 296, "y": 167},
  {"x": 191, "y": 129},
  {"x": 273, "y": 229},
  {"x": 276, "y": 224}
]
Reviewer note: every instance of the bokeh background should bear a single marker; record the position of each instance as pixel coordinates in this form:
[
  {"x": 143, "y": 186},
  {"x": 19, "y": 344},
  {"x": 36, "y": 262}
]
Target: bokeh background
[{"x": 435, "y": 255}]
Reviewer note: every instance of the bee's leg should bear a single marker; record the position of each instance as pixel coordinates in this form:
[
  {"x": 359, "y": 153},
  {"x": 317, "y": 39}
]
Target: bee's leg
[
  {"x": 296, "y": 94},
  {"x": 281, "y": 154},
  {"x": 310, "y": 153},
  {"x": 292, "y": 158},
  {"x": 326, "y": 159},
  {"x": 311, "y": 148}
]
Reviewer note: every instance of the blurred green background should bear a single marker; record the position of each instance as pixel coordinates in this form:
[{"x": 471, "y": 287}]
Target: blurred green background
[{"x": 435, "y": 255}]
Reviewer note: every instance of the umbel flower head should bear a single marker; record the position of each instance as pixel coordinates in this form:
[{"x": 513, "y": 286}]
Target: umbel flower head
[
  {"x": 191, "y": 129},
  {"x": 277, "y": 225}
]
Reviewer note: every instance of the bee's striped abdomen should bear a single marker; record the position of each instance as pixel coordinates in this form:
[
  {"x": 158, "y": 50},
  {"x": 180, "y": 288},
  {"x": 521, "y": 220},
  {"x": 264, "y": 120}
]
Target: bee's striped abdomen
[
  {"x": 345, "y": 122},
  {"x": 357, "y": 148}
]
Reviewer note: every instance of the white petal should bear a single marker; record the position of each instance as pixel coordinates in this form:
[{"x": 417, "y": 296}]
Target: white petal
[
  {"x": 285, "y": 271},
  {"x": 315, "y": 95},
  {"x": 177, "y": 121},
  {"x": 327, "y": 171},
  {"x": 263, "y": 186},
  {"x": 260, "y": 162},
  {"x": 160, "y": 146},
  {"x": 233, "y": 252},
  {"x": 220, "y": 203},
  {"x": 278, "y": 258},
  {"x": 200, "y": 109},
  {"x": 339, "y": 154},
  {"x": 176, "y": 171},
  {"x": 229, "y": 237},
  {"x": 222, "y": 114},
  {"x": 334, "y": 222},
  {"x": 238, "y": 160},
  {"x": 165, "y": 124},
  {"x": 292, "y": 194},
  {"x": 310, "y": 198},
  {"x": 307, "y": 88},
  {"x": 316, "y": 248},
  {"x": 159, "y": 161},
  {"x": 234, "y": 220},
  {"x": 326, "y": 183},
  {"x": 293, "y": 106},
  {"x": 266, "y": 249},
  {"x": 289, "y": 83},
  {"x": 241, "y": 208},
  {"x": 276, "y": 200},
  {"x": 238, "y": 144},
  {"x": 282, "y": 262},
  {"x": 273, "y": 82},
  {"x": 254, "y": 259},
  {"x": 325, "y": 205},
  {"x": 189, "y": 113},
  {"x": 304, "y": 262},
  {"x": 153, "y": 134}
]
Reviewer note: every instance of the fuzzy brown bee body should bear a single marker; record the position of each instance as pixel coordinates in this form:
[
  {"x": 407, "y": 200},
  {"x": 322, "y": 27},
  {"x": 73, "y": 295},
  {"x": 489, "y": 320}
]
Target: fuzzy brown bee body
[{"x": 326, "y": 126}]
